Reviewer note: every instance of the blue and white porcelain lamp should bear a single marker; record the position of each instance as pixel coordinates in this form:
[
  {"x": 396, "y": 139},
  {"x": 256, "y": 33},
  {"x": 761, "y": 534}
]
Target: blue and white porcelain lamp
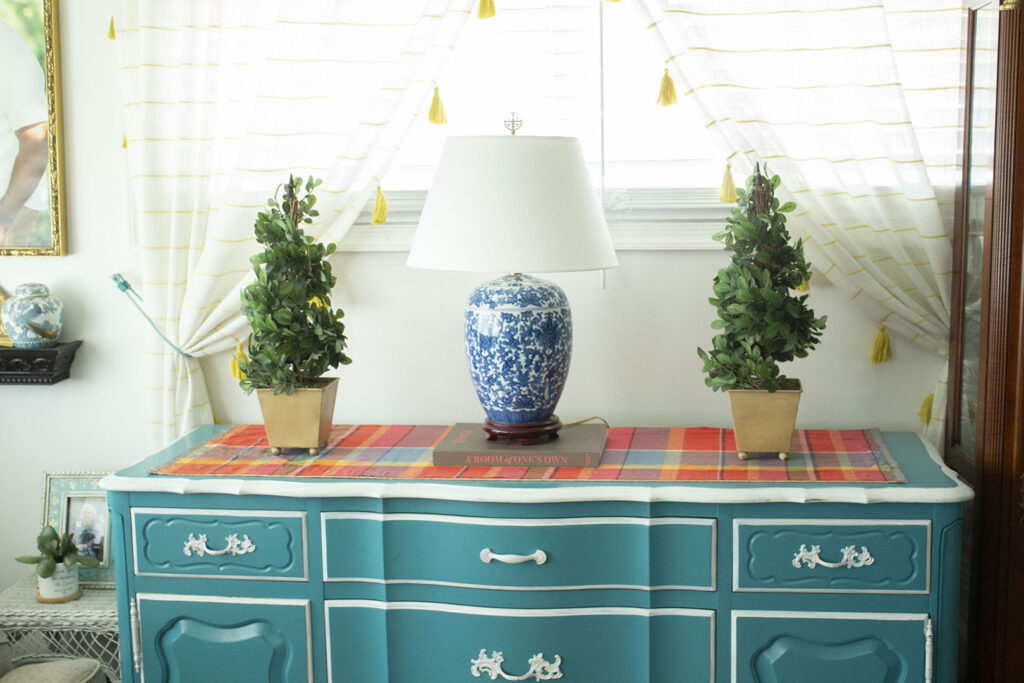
[{"x": 516, "y": 205}]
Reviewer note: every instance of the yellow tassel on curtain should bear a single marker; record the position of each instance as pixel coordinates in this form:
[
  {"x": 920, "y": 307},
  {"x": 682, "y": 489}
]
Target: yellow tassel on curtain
[
  {"x": 239, "y": 355},
  {"x": 926, "y": 409},
  {"x": 437, "y": 114},
  {"x": 804, "y": 286},
  {"x": 667, "y": 94},
  {"x": 881, "y": 352},
  {"x": 486, "y": 9},
  {"x": 112, "y": 34},
  {"x": 727, "y": 193},
  {"x": 124, "y": 142},
  {"x": 380, "y": 208},
  {"x": 216, "y": 419}
]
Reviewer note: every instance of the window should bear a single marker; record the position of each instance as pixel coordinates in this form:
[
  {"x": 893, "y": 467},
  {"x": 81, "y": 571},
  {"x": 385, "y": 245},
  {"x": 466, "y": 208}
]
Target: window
[{"x": 548, "y": 62}]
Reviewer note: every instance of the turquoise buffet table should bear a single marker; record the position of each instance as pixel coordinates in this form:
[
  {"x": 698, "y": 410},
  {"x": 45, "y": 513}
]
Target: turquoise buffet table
[{"x": 359, "y": 580}]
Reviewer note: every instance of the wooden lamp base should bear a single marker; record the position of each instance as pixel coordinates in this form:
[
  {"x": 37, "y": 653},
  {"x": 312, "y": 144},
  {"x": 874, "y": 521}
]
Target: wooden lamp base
[{"x": 526, "y": 433}]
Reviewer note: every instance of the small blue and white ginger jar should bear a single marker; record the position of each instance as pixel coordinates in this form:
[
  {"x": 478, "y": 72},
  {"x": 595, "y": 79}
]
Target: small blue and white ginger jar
[
  {"x": 33, "y": 317},
  {"x": 518, "y": 344}
]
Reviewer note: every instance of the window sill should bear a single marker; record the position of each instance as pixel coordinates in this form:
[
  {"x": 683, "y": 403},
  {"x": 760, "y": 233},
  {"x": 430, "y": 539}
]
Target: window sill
[{"x": 638, "y": 220}]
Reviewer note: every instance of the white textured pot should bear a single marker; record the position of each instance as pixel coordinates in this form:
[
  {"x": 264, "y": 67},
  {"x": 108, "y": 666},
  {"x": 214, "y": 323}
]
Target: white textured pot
[{"x": 62, "y": 586}]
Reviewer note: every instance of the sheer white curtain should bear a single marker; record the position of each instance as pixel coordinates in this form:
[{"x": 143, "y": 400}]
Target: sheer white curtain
[
  {"x": 856, "y": 106},
  {"x": 223, "y": 100}
]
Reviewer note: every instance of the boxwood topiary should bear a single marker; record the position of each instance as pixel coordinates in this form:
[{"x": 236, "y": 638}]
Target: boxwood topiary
[
  {"x": 296, "y": 335},
  {"x": 761, "y": 321}
]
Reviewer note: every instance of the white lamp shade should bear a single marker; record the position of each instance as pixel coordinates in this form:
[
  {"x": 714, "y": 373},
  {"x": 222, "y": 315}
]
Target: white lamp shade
[{"x": 512, "y": 204}]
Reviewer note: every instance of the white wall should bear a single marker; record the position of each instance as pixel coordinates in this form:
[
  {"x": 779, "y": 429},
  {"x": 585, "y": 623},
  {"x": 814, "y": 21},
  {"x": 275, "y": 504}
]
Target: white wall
[
  {"x": 634, "y": 360},
  {"x": 94, "y": 420},
  {"x": 634, "y": 357}
]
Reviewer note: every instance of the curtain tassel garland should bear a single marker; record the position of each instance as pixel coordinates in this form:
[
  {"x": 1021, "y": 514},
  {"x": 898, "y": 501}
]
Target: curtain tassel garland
[
  {"x": 804, "y": 286},
  {"x": 926, "y": 409},
  {"x": 667, "y": 94},
  {"x": 111, "y": 33},
  {"x": 238, "y": 357},
  {"x": 880, "y": 352},
  {"x": 727, "y": 193},
  {"x": 380, "y": 207},
  {"x": 124, "y": 141},
  {"x": 486, "y": 9},
  {"x": 437, "y": 114}
]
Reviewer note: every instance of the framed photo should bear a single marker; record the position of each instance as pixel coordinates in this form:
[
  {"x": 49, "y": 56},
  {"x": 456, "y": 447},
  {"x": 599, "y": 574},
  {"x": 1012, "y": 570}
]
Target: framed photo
[
  {"x": 32, "y": 220},
  {"x": 74, "y": 503}
]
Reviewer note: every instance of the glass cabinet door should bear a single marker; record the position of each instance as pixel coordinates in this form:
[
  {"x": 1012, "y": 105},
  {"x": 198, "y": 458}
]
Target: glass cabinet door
[{"x": 976, "y": 209}]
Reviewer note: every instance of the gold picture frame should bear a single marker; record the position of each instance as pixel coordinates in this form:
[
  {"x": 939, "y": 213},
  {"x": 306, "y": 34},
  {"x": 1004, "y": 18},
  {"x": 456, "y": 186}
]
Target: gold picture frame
[
  {"x": 5, "y": 341},
  {"x": 51, "y": 58}
]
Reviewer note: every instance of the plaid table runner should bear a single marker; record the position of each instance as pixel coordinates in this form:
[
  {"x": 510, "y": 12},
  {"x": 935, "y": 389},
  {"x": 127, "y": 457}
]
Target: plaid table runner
[{"x": 631, "y": 454}]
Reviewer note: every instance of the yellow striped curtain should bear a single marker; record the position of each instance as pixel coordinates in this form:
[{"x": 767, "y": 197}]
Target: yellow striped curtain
[
  {"x": 223, "y": 100},
  {"x": 856, "y": 106}
]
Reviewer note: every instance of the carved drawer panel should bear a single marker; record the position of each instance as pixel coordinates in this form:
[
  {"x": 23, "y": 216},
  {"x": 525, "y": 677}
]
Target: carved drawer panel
[
  {"x": 197, "y": 638},
  {"x": 520, "y": 554},
  {"x": 239, "y": 544},
  {"x": 854, "y": 647},
  {"x": 832, "y": 556},
  {"x": 427, "y": 641}
]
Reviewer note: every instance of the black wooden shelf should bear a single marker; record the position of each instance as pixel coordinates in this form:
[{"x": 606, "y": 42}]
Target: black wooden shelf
[{"x": 37, "y": 366}]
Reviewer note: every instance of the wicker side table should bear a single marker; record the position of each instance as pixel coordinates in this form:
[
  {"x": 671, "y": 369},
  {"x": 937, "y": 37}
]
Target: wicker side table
[{"x": 86, "y": 627}]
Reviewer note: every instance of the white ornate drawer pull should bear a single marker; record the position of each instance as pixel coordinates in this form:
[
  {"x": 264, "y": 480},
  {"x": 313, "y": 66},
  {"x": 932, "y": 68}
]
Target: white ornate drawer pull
[
  {"x": 851, "y": 558},
  {"x": 538, "y": 556},
  {"x": 235, "y": 546},
  {"x": 540, "y": 670}
]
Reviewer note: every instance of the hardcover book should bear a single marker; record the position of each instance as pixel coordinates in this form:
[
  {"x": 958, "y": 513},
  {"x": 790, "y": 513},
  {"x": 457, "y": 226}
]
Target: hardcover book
[{"x": 466, "y": 444}]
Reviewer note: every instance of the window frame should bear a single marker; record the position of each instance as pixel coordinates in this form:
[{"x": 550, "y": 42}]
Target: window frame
[{"x": 647, "y": 219}]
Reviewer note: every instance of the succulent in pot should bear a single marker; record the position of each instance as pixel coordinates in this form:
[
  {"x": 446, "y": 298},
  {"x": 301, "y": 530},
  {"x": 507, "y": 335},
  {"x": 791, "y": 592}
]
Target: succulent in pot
[
  {"x": 296, "y": 335},
  {"x": 762, "y": 319},
  {"x": 57, "y": 566}
]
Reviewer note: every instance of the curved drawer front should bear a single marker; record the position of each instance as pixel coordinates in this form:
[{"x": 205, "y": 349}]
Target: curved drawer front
[
  {"x": 193, "y": 638},
  {"x": 239, "y": 544},
  {"x": 831, "y": 556},
  {"x": 852, "y": 647},
  {"x": 520, "y": 554},
  {"x": 417, "y": 641}
]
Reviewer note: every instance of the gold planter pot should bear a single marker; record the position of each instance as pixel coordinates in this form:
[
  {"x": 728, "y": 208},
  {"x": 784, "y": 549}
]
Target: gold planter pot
[
  {"x": 763, "y": 421},
  {"x": 302, "y": 420}
]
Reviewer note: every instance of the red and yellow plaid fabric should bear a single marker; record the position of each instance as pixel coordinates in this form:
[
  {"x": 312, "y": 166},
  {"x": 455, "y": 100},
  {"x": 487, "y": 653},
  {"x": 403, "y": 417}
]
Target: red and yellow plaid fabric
[{"x": 631, "y": 454}]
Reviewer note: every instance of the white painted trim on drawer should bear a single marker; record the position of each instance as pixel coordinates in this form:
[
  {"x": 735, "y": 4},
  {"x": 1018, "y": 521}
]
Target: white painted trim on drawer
[
  {"x": 254, "y": 514},
  {"x": 737, "y": 523},
  {"x": 519, "y": 522},
  {"x": 846, "y": 616},
  {"x": 484, "y": 586},
  {"x": 287, "y": 602},
  {"x": 565, "y": 492},
  {"x": 451, "y": 608}
]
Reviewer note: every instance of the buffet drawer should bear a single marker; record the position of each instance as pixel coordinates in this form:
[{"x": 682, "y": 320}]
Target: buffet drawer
[
  {"x": 238, "y": 544},
  {"x": 420, "y": 641},
  {"x": 832, "y": 556},
  {"x": 520, "y": 554},
  {"x": 851, "y": 647},
  {"x": 204, "y": 638}
]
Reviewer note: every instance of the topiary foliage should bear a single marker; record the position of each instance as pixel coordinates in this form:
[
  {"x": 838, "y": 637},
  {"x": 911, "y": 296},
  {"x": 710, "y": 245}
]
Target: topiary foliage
[
  {"x": 761, "y": 322},
  {"x": 296, "y": 335}
]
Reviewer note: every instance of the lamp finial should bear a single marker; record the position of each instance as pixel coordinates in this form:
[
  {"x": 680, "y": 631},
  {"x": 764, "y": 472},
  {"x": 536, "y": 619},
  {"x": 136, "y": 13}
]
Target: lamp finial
[{"x": 513, "y": 123}]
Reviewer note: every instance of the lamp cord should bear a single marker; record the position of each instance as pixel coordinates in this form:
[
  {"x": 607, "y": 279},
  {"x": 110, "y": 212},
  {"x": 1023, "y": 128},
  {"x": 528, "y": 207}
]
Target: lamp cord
[{"x": 588, "y": 419}]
